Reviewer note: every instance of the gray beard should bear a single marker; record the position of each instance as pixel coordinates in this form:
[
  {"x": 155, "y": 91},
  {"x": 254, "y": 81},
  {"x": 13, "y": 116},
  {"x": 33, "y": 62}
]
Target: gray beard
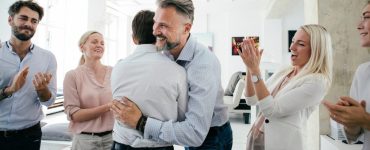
[{"x": 168, "y": 46}]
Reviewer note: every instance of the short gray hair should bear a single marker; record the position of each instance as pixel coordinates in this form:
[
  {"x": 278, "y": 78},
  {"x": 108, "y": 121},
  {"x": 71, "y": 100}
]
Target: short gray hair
[{"x": 184, "y": 7}]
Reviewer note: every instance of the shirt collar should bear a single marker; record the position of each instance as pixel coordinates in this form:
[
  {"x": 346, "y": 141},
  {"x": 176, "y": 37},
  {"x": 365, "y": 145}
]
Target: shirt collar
[
  {"x": 145, "y": 48},
  {"x": 187, "y": 53},
  {"x": 10, "y": 47}
]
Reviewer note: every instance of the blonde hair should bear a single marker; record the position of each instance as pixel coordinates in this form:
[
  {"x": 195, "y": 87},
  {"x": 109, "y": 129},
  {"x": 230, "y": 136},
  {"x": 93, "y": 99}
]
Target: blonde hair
[
  {"x": 321, "y": 60},
  {"x": 82, "y": 41}
]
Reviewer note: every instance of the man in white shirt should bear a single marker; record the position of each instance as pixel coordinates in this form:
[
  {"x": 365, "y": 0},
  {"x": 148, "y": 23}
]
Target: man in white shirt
[{"x": 155, "y": 83}]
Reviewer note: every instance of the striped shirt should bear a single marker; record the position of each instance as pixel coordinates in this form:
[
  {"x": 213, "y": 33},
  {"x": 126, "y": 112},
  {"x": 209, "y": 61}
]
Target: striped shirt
[
  {"x": 205, "y": 105},
  {"x": 23, "y": 108}
]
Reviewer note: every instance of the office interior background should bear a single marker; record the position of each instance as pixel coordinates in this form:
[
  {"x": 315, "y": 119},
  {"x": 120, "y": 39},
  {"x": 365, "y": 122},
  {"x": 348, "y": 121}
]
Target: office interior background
[{"x": 216, "y": 23}]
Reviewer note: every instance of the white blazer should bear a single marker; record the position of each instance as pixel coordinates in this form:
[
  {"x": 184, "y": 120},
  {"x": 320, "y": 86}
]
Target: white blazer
[{"x": 287, "y": 113}]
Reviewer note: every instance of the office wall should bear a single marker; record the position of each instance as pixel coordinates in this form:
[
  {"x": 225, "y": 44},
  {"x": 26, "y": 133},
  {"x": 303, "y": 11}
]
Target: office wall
[
  {"x": 4, "y": 26},
  {"x": 243, "y": 18},
  {"x": 226, "y": 19}
]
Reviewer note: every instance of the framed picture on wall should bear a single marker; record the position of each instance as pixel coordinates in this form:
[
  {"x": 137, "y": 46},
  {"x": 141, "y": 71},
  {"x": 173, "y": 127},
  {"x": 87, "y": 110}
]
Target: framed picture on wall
[
  {"x": 290, "y": 38},
  {"x": 236, "y": 43}
]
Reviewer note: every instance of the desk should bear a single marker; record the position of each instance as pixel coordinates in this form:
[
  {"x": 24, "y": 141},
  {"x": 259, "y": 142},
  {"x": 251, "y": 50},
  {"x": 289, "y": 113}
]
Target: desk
[{"x": 328, "y": 143}]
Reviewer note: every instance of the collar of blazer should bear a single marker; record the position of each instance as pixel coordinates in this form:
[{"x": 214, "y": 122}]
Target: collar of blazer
[{"x": 293, "y": 83}]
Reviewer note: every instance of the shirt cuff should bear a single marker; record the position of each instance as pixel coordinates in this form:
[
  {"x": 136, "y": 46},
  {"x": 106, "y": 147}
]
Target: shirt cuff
[
  {"x": 352, "y": 139},
  {"x": 253, "y": 100},
  {"x": 49, "y": 102},
  {"x": 71, "y": 111},
  {"x": 152, "y": 129}
]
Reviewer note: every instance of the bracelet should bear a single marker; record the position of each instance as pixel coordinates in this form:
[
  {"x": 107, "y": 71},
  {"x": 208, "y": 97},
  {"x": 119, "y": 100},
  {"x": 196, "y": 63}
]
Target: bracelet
[{"x": 140, "y": 126}]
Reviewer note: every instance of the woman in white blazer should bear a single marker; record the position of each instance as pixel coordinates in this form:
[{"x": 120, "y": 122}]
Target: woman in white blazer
[{"x": 289, "y": 97}]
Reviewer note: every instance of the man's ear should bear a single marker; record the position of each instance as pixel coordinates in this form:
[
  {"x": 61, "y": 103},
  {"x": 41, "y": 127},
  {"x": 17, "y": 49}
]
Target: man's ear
[
  {"x": 136, "y": 42},
  {"x": 187, "y": 27},
  {"x": 10, "y": 19}
]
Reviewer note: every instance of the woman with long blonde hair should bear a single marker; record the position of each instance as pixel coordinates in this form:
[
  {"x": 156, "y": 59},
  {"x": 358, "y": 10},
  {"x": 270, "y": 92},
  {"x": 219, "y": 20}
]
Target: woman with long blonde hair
[{"x": 289, "y": 97}]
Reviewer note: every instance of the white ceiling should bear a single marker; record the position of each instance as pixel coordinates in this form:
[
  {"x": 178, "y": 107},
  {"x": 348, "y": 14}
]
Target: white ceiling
[
  {"x": 134, "y": 2},
  {"x": 131, "y": 7}
]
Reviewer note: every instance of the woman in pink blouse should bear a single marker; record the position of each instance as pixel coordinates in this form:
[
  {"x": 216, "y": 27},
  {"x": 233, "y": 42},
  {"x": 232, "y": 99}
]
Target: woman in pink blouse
[{"x": 88, "y": 96}]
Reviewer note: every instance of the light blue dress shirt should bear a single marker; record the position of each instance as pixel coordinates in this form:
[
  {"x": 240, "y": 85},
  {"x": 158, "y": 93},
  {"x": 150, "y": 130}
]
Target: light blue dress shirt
[
  {"x": 23, "y": 108},
  {"x": 205, "y": 106}
]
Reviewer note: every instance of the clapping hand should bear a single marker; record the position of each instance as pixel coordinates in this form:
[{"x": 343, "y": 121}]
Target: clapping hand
[
  {"x": 19, "y": 80},
  {"x": 251, "y": 55},
  {"x": 41, "y": 81},
  {"x": 348, "y": 111}
]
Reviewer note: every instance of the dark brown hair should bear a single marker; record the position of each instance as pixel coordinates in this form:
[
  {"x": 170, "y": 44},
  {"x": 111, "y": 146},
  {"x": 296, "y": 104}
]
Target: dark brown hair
[
  {"x": 16, "y": 7},
  {"x": 142, "y": 27}
]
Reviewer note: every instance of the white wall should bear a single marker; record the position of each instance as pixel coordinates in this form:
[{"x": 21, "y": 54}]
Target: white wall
[
  {"x": 292, "y": 20},
  {"x": 276, "y": 32},
  {"x": 273, "y": 43},
  {"x": 226, "y": 19},
  {"x": 4, "y": 26},
  {"x": 244, "y": 18}
]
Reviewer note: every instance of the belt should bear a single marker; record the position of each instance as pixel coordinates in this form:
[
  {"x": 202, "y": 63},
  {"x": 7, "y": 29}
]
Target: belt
[
  {"x": 9, "y": 133},
  {"x": 98, "y": 134}
]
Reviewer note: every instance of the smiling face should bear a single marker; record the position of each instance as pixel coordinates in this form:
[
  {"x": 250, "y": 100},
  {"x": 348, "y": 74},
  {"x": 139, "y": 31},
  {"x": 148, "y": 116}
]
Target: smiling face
[
  {"x": 24, "y": 23},
  {"x": 301, "y": 49},
  {"x": 170, "y": 28},
  {"x": 364, "y": 27},
  {"x": 93, "y": 48}
]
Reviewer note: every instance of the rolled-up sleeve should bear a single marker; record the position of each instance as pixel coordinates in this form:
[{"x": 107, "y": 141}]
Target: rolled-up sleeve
[
  {"x": 309, "y": 93},
  {"x": 71, "y": 98},
  {"x": 253, "y": 100}
]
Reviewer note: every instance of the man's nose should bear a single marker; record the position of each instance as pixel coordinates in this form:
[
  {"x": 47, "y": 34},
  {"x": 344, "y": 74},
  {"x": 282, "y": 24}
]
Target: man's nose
[{"x": 155, "y": 30}]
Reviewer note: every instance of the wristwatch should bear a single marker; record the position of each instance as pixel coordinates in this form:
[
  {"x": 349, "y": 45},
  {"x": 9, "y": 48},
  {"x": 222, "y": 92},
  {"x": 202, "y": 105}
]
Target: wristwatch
[
  {"x": 256, "y": 78},
  {"x": 3, "y": 95}
]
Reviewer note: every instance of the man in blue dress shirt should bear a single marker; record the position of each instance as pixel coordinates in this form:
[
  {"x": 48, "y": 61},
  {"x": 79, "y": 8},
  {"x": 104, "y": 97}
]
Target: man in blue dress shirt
[
  {"x": 27, "y": 80},
  {"x": 206, "y": 125}
]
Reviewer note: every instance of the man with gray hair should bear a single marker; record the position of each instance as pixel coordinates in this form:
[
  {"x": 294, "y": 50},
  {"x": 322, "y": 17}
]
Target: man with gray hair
[{"x": 206, "y": 125}]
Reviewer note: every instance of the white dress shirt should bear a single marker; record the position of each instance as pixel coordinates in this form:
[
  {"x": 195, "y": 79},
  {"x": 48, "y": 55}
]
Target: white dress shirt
[
  {"x": 158, "y": 87},
  {"x": 360, "y": 90}
]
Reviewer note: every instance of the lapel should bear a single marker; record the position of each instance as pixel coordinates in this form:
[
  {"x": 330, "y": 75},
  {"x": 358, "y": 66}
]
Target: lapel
[{"x": 276, "y": 79}]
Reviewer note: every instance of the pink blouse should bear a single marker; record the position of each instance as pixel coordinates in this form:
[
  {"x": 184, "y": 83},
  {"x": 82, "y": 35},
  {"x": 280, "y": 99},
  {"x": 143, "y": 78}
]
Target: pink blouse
[{"x": 82, "y": 90}]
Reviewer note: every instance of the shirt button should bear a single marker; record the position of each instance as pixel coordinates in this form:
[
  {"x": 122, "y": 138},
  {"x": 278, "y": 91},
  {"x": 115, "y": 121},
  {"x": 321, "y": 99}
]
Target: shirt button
[{"x": 267, "y": 121}]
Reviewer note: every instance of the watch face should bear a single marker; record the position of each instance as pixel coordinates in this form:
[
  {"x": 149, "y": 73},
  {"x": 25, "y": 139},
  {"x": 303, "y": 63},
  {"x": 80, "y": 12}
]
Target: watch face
[{"x": 254, "y": 78}]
